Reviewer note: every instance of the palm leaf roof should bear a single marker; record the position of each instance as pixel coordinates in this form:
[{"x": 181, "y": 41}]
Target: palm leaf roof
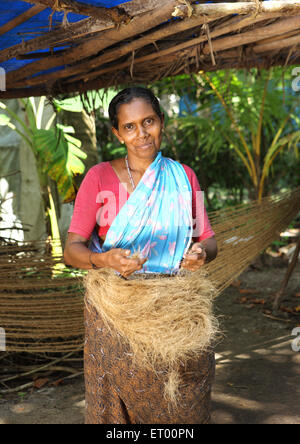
[{"x": 52, "y": 47}]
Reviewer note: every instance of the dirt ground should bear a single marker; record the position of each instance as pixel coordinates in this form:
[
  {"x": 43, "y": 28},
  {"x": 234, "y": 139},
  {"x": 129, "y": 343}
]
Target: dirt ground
[{"x": 257, "y": 372}]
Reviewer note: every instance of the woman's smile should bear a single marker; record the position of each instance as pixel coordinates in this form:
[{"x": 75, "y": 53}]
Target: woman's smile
[
  {"x": 140, "y": 128},
  {"x": 145, "y": 146}
]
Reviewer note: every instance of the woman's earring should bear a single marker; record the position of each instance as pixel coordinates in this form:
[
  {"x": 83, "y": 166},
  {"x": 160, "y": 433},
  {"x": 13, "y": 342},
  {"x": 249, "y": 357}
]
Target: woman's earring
[{"x": 122, "y": 142}]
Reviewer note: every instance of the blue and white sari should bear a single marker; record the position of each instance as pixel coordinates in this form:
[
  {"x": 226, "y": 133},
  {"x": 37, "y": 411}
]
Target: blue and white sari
[{"x": 156, "y": 221}]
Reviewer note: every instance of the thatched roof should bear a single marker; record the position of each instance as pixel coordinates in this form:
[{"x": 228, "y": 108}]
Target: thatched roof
[{"x": 49, "y": 47}]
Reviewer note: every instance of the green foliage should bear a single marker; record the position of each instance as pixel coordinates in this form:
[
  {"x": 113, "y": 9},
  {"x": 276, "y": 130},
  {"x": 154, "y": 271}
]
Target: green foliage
[
  {"x": 59, "y": 157},
  {"x": 58, "y": 154},
  {"x": 242, "y": 123},
  {"x": 248, "y": 146},
  {"x": 109, "y": 144}
]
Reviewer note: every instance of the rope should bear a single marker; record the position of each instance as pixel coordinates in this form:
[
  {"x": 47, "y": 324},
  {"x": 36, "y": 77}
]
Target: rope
[
  {"x": 41, "y": 306},
  {"x": 259, "y": 8}
]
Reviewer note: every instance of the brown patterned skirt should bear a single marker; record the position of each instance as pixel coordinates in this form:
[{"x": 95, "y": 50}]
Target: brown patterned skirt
[{"x": 119, "y": 393}]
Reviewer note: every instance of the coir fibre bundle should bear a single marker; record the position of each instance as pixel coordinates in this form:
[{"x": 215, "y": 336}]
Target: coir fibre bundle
[{"x": 166, "y": 321}]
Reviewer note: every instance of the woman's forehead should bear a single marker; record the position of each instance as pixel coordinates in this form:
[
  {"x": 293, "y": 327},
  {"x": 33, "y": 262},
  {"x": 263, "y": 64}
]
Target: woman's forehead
[{"x": 137, "y": 109}]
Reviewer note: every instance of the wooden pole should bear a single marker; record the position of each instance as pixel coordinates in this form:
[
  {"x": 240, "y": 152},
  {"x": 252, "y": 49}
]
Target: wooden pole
[
  {"x": 224, "y": 62},
  {"x": 284, "y": 7},
  {"x": 137, "y": 25},
  {"x": 194, "y": 42},
  {"x": 117, "y": 15},
  {"x": 292, "y": 264},
  {"x": 104, "y": 82},
  {"x": 277, "y": 45},
  {"x": 55, "y": 37},
  {"x": 115, "y": 54},
  {"x": 131, "y": 8},
  {"x": 280, "y": 27},
  {"x": 31, "y": 12},
  {"x": 73, "y": 31},
  {"x": 82, "y": 68}
]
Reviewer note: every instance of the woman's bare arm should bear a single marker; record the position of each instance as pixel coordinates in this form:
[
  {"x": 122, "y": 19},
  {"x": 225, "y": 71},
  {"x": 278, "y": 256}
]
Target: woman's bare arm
[{"x": 78, "y": 255}]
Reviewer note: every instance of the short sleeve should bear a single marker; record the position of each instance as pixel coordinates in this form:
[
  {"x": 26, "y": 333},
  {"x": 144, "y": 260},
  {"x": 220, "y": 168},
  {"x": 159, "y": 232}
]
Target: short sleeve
[
  {"x": 85, "y": 209},
  {"x": 201, "y": 227}
]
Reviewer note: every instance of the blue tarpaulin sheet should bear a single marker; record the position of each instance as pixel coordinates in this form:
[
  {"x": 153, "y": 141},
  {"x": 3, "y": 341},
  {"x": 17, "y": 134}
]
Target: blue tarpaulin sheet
[{"x": 35, "y": 26}]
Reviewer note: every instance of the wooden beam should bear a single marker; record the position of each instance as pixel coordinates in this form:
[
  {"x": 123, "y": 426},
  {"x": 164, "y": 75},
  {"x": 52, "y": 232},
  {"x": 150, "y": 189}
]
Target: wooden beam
[
  {"x": 225, "y": 29},
  {"x": 280, "y": 27},
  {"x": 124, "y": 10},
  {"x": 117, "y": 15},
  {"x": 88, "y": 49},
  {"x": 232, "y": 64},
  {"x": 284, "y": 7},
  {"x": 56, "y": 37},
  {"x": 23, "y": 93},
  {"x": 75, "y": 30},
  {"x": 277, "y": 45},
  {"x": 279, "y": 37},
  {"x": 84, "y": 67},
  {"x": 31, "y": 12},
  {"x": 137, "y": 25}
]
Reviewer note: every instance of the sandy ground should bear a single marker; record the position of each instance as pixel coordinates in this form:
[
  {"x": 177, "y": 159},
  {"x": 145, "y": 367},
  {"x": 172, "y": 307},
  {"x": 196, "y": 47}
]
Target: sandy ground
[{"x": 257, "y": 373}]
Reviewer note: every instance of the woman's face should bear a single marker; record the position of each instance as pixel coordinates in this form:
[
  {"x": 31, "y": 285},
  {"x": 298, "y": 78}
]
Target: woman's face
[{"x": 140, "y": 128}]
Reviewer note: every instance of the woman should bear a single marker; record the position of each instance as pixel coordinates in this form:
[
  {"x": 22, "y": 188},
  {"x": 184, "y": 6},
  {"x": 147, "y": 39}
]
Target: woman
[{"x": 115, "y": 213}]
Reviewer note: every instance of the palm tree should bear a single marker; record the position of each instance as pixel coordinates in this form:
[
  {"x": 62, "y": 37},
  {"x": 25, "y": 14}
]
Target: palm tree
[{"x": 256, "y": 118}]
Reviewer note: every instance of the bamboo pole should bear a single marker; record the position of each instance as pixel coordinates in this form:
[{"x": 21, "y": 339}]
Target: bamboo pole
[
  {"x": 20, "y": 93},
  {"x": 276, "y": 38}
]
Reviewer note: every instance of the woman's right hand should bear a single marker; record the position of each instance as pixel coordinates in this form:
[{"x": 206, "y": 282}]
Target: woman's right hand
[{"x": 119, "y": 260}]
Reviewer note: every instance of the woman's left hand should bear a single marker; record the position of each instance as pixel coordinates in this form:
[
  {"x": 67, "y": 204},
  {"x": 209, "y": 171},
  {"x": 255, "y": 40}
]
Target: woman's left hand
[{"x": 194, "y": 258}]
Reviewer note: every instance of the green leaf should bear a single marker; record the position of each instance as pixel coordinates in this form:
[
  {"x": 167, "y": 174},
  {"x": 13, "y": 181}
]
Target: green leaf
[
  {"x": 60, "y": 159},
  {"x": 4, "y": 120}
]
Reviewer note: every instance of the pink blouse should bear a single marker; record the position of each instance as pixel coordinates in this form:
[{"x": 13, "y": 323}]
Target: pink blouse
[{"x": 101, "y": 190}]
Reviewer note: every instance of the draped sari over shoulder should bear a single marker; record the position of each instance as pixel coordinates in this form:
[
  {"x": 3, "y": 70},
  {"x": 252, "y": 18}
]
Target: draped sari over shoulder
[{"x": 156, "y": 221}]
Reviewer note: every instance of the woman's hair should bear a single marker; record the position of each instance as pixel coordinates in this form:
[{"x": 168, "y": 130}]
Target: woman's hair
[{"x": 129, "y": 94}]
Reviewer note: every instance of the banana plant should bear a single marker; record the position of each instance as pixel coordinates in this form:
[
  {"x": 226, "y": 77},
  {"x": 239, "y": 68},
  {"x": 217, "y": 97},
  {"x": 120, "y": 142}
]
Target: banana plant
[{"x": 57, "y": 153}]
